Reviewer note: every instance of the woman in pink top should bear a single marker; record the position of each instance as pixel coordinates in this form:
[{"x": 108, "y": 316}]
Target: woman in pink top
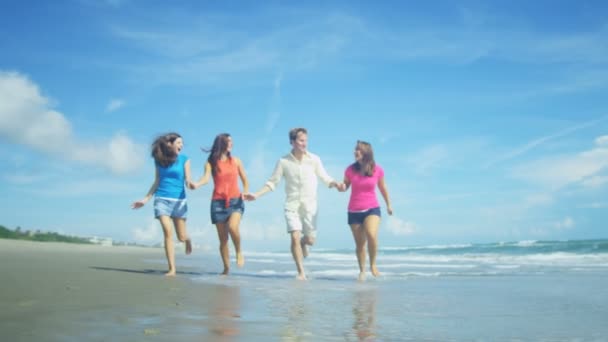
[
  {"x": 363, "y": 208},
  {"x": 227, "y": 205}
]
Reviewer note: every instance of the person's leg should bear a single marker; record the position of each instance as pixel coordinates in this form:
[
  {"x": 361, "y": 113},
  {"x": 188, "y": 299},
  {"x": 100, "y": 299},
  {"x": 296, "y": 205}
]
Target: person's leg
[
  {"x": 165, "y": 222},
  {"x": 182, "y": 233},
  {"x": 309, "y": 232},
  {"x": 233, "y": 228},
  {"x": 370, "y": 225},
  {"x": 360, "y": 240},
  {"x": 296, "y": 252},
  {"x": 294, "y": 228},
  {"x": 222, "y": 234}
]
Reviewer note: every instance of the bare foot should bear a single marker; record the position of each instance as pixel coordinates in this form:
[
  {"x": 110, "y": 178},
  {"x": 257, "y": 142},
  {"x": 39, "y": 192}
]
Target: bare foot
[
  {"x": 171, "y": 273},
  {"x": 361, "y": 277},
  {"x": 225, "y": 273},
  {"x": 304, "y": 248},
  {"x": 301, "y": 276},
  {"x": 374, "y": 270},
  {"x": 188, "y": 247},
  {"x": 240, "y": 259}
]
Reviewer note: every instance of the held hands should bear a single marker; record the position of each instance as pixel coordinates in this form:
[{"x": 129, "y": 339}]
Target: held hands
[
  {"x": 339, "y": 186},
  {"x": 191, "y": 185},
  {"x": 250, "y": 197}
]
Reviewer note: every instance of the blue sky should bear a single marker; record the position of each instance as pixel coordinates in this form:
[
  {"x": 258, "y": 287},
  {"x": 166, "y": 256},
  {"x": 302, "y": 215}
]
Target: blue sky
[{"x": 489, "y": 118}]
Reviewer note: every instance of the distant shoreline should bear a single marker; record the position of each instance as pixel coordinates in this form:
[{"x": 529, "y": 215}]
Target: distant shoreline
[{"x": 30, "y": 235}]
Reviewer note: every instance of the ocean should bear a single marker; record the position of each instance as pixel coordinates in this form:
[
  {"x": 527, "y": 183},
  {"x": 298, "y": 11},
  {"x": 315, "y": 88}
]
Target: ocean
[{"x": 507, "y": 291}]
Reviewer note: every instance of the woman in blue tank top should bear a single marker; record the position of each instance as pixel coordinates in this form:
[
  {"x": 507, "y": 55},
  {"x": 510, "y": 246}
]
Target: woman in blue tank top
[{"x": 170, "y": 207}]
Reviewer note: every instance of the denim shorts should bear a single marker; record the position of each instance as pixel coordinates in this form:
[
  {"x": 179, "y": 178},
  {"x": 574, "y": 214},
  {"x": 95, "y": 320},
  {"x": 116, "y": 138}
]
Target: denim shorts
[
  {"x": 358, "y": 217},
  {"x": 220, "y": 213},
  {"x": 172, "y": 207}
]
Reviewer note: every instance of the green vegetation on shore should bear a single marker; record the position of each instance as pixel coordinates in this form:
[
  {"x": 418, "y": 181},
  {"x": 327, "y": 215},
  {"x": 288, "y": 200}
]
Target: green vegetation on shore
[{"x": 18, "y": 234}]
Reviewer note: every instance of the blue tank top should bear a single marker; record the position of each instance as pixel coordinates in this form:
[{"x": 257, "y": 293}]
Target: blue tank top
[{"x": 171, "y": 179}]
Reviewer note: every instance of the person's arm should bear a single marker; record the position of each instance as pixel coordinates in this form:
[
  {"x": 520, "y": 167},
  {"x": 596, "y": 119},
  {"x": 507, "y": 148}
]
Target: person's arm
[
  {"x": 384, "y": 192},
  {"x": 243, "y": 176},
  {"x": 187, "y": 174},
  {"x": 270, "y": 185},
  {"x": 342, "y": 187},
  {"x": 321, "y": 173},
  {"x": 204, "y": 178},
  {"x": 143, "y": 201}
]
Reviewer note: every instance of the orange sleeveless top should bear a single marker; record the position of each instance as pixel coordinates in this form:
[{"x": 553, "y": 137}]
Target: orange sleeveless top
[{"x": 226, "y": 181}]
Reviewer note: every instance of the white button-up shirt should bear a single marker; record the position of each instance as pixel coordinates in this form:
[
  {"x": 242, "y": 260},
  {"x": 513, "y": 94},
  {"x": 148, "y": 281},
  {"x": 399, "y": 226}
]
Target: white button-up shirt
[{"x": 300, "y": 180}]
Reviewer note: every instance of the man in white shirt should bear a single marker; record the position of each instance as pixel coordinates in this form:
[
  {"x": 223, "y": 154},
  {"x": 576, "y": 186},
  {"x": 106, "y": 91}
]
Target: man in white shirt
[{"x": 300, "y": 169}]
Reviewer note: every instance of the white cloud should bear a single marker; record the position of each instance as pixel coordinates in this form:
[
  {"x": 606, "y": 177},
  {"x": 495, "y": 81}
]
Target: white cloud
[
  {"x": 79, "y": 188},
  {"x": 149, "y": 234},
  {"x": 204, "y": 48},
  {"x": 26, "y": 118},
  {"x": 428, "y": 158},
  {"x": 400, "y": 227},
  {"x": 602, "y": 140},
  {"x": 23, "y": 179},
  {"x": 275, "y": 114},
  {"x": 534, "y": 200},
  {"x": 595, "y": 181},
  {"x": 114, "y": 104},
  {"x": 566, "y": 223},
  {"x": 539, "y": 141},
  {"x": 207, "y": 52},
  {"x": 557, "y": 172},
  {"x": 203, "y": 238},
  {"x": 258, "y": 231},
  {"x": 595, "y": 205}
]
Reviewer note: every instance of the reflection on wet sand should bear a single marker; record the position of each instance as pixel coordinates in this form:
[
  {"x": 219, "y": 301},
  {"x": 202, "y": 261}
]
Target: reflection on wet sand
[
  {"x": 224, "y": 313},
  {"x": 364, "y": 314}
]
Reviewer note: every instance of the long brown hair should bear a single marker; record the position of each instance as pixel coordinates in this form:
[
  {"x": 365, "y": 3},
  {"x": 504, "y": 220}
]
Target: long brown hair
[
  {"x": 220, "y": 146},
  {"x": 162, "y": 151},
  {"x": 367, "y": 164}
]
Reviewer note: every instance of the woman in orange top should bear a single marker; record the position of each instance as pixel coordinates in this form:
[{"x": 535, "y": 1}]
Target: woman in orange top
[{"x": 227, "y": 204}]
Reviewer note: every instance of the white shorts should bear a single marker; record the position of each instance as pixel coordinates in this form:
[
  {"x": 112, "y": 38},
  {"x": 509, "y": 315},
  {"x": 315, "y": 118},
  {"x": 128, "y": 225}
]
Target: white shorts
[{"x": 302, "y": 220}]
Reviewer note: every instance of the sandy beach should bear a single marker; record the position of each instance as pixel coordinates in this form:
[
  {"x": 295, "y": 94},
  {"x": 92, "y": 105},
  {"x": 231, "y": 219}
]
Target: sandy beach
[
  {"x": 69, "y": 292},
  {"x": 59, "y": 292}
]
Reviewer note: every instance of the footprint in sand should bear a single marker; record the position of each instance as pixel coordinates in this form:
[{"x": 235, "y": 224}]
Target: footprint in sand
[
  {"x": 151, "y": 332},
  {"x": 26, "y": 303}
]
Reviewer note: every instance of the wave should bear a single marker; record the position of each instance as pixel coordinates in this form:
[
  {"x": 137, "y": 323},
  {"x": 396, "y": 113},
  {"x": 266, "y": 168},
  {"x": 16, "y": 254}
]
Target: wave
[{"x": 510, "y": 247}]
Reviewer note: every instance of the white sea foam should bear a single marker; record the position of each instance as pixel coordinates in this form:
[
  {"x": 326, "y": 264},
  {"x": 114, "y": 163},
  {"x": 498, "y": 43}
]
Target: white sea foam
[
  {"x": 526, "y": 243},
  {"x": 413, "y": 248},
  {"x": 261, "y": 261},
  {"x": 507, "y": 267},
  {"x": 414, "y": 265}
]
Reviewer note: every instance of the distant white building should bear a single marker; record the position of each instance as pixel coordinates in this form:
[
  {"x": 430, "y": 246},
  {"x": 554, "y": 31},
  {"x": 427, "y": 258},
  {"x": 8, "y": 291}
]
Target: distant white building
[{"x": 101, "y": 241}]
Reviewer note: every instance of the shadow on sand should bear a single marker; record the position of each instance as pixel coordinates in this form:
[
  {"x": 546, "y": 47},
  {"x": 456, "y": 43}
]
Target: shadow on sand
[{"x": 145, "y": 271}]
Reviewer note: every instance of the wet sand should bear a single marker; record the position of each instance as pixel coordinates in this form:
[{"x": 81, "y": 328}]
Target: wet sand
[
  {"x": 67, "y": 292},
  {"x": 59, "y": 292}
]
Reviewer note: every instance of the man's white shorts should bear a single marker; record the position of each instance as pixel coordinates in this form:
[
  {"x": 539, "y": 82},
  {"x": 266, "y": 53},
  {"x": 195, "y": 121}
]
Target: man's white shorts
[{"x": 303, "y": 220}]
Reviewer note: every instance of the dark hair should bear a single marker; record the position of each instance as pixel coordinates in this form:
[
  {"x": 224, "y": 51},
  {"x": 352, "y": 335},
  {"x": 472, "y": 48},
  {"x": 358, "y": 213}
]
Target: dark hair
[
  {"x": 220, "y": 146},
  {"x": 367, "y": 164},
  {"x": 162, "y": 152},
  {"x": 293, "y": 133}
]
